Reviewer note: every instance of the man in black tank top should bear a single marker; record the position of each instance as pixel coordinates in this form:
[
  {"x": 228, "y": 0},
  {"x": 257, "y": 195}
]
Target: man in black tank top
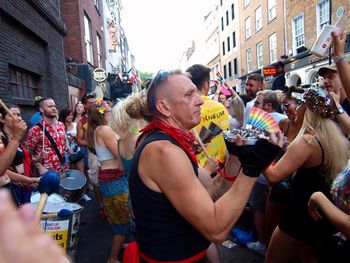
[{"x": 176, "y": 218}]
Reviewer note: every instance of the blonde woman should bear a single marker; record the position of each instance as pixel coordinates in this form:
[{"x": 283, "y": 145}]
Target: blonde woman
[
  {"x": 126, "y": 128},
  {"x": 316, "y": 155},
  {"x": 236, "y": 111},
  {"x": 112, "y": 181}
]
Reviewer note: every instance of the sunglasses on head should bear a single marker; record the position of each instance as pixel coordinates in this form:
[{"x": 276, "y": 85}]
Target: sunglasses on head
[{"x": 157, "y": 80}]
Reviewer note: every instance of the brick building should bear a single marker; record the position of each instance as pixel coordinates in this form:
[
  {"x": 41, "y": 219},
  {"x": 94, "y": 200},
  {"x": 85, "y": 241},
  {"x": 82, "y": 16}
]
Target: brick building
[
  {"x": 31, "y": 53},
  {"x": 303, "y": 23},
  {"x": 262, "y": 35},
  {"x": 84, "y": 45}
]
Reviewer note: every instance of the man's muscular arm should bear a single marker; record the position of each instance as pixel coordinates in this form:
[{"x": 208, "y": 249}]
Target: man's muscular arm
[{"x": 80, "y": 138}]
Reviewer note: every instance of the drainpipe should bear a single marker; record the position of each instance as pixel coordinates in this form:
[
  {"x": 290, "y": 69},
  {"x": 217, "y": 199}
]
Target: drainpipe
[
  {"x": 330, "y": 22},
  {"x": 285, "y": 28}
]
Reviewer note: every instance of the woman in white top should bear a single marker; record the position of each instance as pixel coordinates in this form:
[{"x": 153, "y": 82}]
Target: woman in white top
[
  {"x": 66, "y": 116},
  {"x": 113, "y": 184}
]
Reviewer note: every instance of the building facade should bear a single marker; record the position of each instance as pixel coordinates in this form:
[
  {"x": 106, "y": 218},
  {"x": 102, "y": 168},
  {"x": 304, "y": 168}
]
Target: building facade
[
  {"x": 228, "y": 27},
  {"x": 262, "y": 35},
  {"x": 303, "y": 24},
  {"x": 31, "y": 53},
  {"x": 84, "y": 45}
]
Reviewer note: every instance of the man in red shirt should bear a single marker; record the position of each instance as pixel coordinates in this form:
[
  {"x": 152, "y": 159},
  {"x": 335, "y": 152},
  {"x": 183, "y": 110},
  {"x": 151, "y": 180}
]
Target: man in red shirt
[{"x": 40, "y": 144}]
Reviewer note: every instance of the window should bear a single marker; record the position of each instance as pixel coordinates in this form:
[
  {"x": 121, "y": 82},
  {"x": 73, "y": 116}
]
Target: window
[
  {"x": 298, "y": 31},
  {"x": 271, "y": 7},
  {"x": 225, "y": 72},
  {"x": 223, "y": 48},
  {"x": 227, "y": 20},
  {"x": 99, "y": 56},
  {"x": 88, "y": 42},
  {"x": 96, "y": 3},
  {"x": 246, "y": 3},
  {"x": 249, "y": 60},
  {"x": 234, "y": 39},
  {"x": 259, "y": 55},
  {"x": 258, "y": 19},
  {"x": 233, "y": 11},
  {"x": 230, "y": 69},
  {"x": 222, "y": 24},
  {"x": 235, "y": 68},
  {"x": 248, "y": 28},
  {"x": 220, "y": 2},
  {"x": 228, "y": 44},
  {"x": 273, "y": 47},
  {"x": 322, "y": 14},
  {"x": 23, "y": 84}
]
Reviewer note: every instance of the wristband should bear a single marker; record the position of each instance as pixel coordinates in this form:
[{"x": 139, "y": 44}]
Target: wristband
[
  {"x": 340, "y": 110},
  {"x": 337, "y": 59},
  {"x": 223, "y": 174}
]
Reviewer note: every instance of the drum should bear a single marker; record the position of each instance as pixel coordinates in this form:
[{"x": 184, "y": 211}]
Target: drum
[
  {"x": 72, "y": 185},
  {"x": 63, "y": 230},
  {"x": 53, "y": 198}
]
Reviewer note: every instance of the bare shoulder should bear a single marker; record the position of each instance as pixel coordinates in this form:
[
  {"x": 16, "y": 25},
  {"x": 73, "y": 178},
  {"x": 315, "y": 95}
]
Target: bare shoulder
[
  {"x": 310, "y": 139},
  {"x": 103, "y": 128},
  {"x": 303, "y": 144},
  {"x": 163, "y": 149}
]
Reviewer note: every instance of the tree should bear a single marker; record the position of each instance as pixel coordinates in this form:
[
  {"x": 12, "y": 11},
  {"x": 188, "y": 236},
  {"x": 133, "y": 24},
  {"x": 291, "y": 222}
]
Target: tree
[{"x": 145, "y": 75}]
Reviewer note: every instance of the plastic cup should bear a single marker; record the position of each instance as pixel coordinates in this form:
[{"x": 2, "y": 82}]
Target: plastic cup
[{"x": 324, "y": 40}]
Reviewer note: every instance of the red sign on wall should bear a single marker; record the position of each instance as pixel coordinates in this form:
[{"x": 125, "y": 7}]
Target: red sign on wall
[{"x": 269, "y": 71}]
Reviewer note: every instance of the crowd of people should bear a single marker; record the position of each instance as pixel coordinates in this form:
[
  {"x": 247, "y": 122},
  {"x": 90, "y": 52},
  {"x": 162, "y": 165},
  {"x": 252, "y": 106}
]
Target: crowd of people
[{"x": 169, "y": 196}]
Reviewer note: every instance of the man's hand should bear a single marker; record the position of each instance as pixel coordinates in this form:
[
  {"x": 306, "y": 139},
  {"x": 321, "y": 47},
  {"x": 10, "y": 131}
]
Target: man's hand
[
  {"x": 212, "y": 165},
  {"x": 255, "y": 158},
  {"x": 338, "y": 43},
  {"x": 37, "y": 158}
]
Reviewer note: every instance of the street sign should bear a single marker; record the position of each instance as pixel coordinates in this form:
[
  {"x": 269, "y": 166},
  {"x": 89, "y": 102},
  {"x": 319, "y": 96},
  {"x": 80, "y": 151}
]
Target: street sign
[{"x": 99, "y": 74}]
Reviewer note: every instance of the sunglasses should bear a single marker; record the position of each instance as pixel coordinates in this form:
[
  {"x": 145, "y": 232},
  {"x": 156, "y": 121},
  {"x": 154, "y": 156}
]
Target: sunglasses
[
  {"x": 256, "y": 103},
  {"x": 161, "y": 76},
  {"x": 285, "y": 106}
]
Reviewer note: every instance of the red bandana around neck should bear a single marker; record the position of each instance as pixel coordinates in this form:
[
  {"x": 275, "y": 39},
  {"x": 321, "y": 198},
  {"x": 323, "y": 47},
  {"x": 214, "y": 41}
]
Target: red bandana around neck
[{"x": 184, "y": 139}]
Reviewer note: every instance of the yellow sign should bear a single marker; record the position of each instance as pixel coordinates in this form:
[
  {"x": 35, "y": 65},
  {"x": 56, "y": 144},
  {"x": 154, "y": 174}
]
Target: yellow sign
[
  {"x": 213, "y": 111},
  {"x": 58, "y": 229},
  {"x": 61, "y": 238}
]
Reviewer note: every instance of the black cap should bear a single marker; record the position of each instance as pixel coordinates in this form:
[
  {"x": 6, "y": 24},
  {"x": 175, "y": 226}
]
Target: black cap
[{"x": 87, "y": 96}]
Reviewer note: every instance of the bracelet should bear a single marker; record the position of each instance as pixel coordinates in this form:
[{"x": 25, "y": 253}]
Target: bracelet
[
  {"x": 13, "y": 137},
  {"x": 223, "y": 174},
  {"x": 337, "y": 59}
]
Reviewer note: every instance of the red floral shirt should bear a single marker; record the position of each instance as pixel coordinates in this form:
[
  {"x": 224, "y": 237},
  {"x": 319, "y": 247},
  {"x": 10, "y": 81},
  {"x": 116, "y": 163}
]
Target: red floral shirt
[{"x": 35, "y": 142}]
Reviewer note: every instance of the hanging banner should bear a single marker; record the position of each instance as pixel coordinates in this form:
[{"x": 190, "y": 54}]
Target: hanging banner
[{"x": 113, "y": 38}]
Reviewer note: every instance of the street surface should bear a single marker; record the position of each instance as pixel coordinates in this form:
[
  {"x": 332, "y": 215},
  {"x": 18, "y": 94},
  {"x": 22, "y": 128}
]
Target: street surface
[{"x": 95, "y": 239}]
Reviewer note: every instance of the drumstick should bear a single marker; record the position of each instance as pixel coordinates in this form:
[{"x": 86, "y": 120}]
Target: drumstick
[
  {"x": 200, "y": 143},
  {"x": 63, "y": 213},
  {"x": 48, "y": 184},
  {"x": 2, "y": 104}
]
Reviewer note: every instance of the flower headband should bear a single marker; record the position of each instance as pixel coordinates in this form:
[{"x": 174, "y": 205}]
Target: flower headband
[
  {"x": 319, "y": 102},
  {"x": 100, "y": 105}
]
